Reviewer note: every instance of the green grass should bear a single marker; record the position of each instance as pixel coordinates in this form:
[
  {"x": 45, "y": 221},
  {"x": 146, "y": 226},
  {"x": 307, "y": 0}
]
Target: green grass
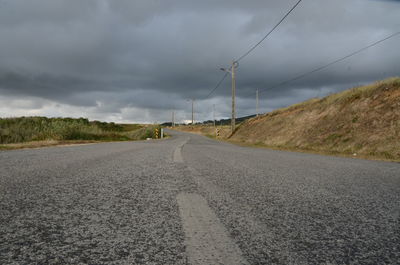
[{"x": 30, "y": 129}]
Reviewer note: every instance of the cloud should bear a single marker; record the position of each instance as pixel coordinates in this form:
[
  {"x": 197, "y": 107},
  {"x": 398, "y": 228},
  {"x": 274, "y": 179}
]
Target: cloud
[{"x": 118, "y": 59}]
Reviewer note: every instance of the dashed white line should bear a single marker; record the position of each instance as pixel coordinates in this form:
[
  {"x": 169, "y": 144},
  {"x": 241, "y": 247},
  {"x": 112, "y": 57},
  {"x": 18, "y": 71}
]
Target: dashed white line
[
  {"x": 207, "y": 240},
  {"x": 178, "y": 152},
  {"x": 178, "y": 155}
]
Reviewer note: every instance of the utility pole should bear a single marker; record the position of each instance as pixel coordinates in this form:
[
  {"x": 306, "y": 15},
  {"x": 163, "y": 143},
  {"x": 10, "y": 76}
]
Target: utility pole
[
  {"x": 192, "y": 109},
  {"x": 214, "y": 114},
  {"x": 173, "y": 118},
  {"x": 257, "y": 111},
  {"x": 192, "y": 112},
  {"x": 235, "y": 64},
  {"x": 233, "y": 121}
]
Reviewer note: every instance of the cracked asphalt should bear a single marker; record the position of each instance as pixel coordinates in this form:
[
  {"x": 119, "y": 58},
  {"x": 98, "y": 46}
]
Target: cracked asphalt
[{"x": 116, "y": 203}]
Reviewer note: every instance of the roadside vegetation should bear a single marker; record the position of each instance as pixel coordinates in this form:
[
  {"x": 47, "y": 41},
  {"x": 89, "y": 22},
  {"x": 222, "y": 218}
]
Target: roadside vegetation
[
  {"x": 39, "y": 131},
  {"x": 360, "y": 122},
  {"x": 207, "y": 130}
]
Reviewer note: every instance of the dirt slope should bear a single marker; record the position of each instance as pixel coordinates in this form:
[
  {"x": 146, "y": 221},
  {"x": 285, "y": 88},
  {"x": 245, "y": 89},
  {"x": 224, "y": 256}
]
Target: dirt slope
[{"x": 364, "y": 121}]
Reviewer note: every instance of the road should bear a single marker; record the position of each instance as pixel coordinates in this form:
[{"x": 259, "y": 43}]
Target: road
[{"x": 192, "y": 200}]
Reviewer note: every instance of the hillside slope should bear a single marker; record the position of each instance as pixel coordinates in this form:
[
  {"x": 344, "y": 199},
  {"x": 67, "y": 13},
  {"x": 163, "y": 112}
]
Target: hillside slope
[{"x": 363, "y": 121}]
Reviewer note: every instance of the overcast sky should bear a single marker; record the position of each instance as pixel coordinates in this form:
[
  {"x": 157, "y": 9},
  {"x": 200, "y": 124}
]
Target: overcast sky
[{"x": 136, "y": 61}]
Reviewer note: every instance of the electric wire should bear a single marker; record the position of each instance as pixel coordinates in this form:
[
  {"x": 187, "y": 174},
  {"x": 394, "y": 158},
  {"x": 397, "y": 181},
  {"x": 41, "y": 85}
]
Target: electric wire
[
  {"x": 269, "y": 33},
  {"x": 255, "y": 46},
  {"x": 329, "y": 64},
  {"x": 217, "y": 86}
]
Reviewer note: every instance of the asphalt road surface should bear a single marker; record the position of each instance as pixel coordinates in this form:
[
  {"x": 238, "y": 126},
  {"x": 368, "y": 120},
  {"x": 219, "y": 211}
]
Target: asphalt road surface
[{"x": 192, "y": 200}]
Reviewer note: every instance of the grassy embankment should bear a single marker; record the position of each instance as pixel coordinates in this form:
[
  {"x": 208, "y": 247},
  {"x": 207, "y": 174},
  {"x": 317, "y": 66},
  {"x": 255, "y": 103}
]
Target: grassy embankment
[
  {"x": 362, "y": 122},
  {"x": 28, "y": 132}
]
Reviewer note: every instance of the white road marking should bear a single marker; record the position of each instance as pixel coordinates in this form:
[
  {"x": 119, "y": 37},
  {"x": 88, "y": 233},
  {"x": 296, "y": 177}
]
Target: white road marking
[
  {"x": 207, "y": 240},
  {"x": 178, "y": 155},
  {"x": 178, "y": 152}
]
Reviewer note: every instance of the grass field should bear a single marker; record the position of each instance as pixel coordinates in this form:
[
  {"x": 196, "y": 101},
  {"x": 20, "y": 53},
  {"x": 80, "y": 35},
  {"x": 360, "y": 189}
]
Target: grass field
[{"x": 42, "y": 131}]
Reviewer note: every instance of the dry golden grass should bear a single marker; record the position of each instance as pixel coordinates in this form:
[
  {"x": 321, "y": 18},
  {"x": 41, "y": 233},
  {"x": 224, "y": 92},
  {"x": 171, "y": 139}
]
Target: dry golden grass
[
  {"x": 364, "y": 121},
  {"x": 360, "y": 122}
]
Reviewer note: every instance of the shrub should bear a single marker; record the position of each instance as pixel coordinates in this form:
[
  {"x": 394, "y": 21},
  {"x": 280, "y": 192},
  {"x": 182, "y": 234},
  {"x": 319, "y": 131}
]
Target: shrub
[{"x": 24, "y": 129}]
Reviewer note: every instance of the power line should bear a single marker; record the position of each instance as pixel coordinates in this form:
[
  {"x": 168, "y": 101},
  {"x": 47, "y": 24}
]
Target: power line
[
  {"x": 331, "y": 63},
  {"x": 217, "y": 86},
  {"x": 269, "y": 33},
  {"x": 255, "y": 46}
]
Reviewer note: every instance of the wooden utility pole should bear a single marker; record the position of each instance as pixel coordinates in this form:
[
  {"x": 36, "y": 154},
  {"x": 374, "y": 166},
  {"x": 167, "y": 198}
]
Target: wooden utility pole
[
  {"x": 173, "y": 118},
  {"x": 257, "y": 111}
]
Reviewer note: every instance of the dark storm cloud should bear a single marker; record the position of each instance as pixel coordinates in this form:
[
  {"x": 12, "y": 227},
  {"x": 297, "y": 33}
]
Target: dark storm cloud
[{"x": 153, "y": 54}]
